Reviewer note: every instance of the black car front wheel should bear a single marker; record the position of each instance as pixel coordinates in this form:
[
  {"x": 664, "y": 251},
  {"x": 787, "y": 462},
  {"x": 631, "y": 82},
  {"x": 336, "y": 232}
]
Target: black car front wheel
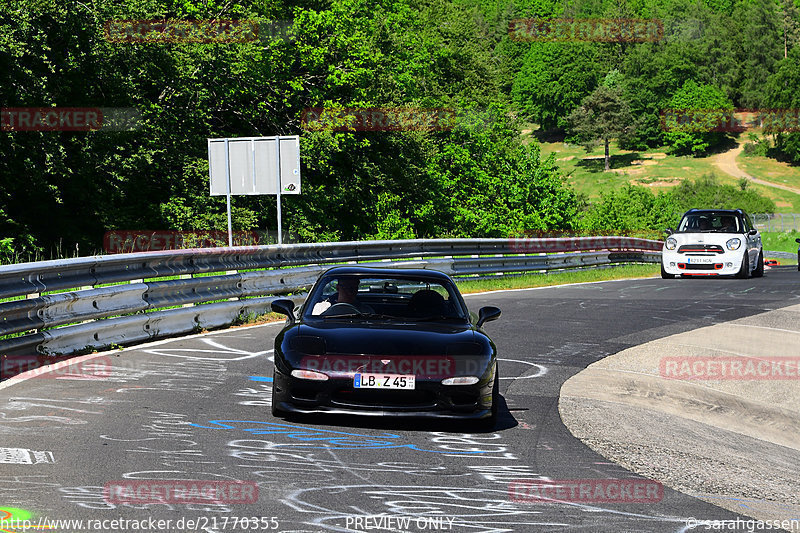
[
  {"x": 664, "y": 273},
  {"x": 488, "y": 424},
  {"x": 275, "y": 411}
]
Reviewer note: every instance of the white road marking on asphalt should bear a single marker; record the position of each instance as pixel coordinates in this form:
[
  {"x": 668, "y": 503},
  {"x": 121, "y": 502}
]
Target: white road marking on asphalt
[
  {"x": 542, "y": 369},
  {"x": 23, "y": 456},
  {"x": 75, "y": 360},
  {"x": 220, "y": 349}
]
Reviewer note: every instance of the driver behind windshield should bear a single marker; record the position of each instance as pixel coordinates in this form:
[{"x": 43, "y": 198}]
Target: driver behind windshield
[{"x": 346, "y": 293}]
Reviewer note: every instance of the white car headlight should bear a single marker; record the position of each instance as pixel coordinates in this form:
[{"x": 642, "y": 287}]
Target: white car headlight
[
  {"x": 461, "y": 380},
  {"x": 671, "y": 243},
  {"x": 733, "y": 244}
]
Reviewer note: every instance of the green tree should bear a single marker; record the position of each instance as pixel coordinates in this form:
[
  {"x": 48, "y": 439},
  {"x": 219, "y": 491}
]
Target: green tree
[
  {"x": 706, "y": 106},
  {"x": 602, "y": 116},
  {"x": 781, "y": 93},
  {"x": 345, "y": 53},
  {"x": 791, "y": 25},
  {"x": 490, "y": 184},
  {"x": 699, "y": 43},
  {"x": 652, "y": 74},
  {"x": 553, "y": 80},
  {"x": 760, "y": 43}
]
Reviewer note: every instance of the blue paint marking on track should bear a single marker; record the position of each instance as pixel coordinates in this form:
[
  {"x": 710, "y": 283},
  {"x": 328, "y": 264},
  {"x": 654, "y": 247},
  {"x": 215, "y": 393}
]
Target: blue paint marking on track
[
  {"x": 312, "y": 438},
  {"x": 260, "y": 378}
]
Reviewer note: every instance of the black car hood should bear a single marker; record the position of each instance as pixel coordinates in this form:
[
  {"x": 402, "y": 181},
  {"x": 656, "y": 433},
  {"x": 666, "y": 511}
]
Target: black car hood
[
  {"x": 380, "y": 338},
  {"x": 429, "y": 350}
]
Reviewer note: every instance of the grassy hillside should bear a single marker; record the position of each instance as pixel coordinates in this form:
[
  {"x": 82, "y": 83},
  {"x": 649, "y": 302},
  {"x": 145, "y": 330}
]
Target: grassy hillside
[{"x": 659, "y": 170}]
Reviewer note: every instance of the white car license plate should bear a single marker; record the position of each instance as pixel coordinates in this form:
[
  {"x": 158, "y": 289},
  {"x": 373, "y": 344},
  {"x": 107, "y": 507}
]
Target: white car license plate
[
  {"x": 383, "y": 381},
  {"x": 699, "y": 259}
]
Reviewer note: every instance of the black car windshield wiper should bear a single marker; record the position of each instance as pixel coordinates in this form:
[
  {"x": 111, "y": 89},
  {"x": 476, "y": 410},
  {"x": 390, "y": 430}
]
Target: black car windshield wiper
[
  {"x": 378, "y": 315},
  {"x": 344, "y": 315}
]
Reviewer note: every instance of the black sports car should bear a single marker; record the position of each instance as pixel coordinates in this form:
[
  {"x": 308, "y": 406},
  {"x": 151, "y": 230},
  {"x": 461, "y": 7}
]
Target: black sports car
[{"x": 385, "y": 342}]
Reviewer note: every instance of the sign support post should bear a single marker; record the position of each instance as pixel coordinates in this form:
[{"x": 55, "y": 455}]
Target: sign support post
[
  {"x": 278, "y": 172},
  {"x": 228, "y": 181}
]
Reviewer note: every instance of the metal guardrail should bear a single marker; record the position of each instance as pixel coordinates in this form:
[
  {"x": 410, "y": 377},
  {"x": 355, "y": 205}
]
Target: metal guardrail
[
  {"x": 216, "y": 286},
  {"x": 780, "y": 255}
]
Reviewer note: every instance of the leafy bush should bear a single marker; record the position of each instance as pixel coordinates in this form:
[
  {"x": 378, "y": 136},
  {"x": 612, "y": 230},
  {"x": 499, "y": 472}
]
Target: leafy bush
[
  {"x": 787, "y": 148},
  {"x": 634, "y": 207},
  {"x": 707, "y": 193},
  {"x": 6, "y": 248},
  {"x": 631, "y": 208},
  {"x": 758, "y": 146}
]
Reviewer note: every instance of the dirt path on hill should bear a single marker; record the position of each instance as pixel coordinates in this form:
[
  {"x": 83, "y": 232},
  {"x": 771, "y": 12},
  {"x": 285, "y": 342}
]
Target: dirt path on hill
[{"x": 726, "y": 162}]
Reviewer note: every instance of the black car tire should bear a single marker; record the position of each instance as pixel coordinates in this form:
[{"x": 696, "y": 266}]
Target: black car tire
[
  {"x": 664, "y": 274},
  {"x": 488, "y": 424},
  {"x": 759, "y": 271},
  {"x": 275, "y": 411},
  {"x": 744, "y": 271}
]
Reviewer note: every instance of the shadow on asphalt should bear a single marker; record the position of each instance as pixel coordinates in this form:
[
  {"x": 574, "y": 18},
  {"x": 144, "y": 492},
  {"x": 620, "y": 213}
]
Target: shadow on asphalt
[{"x": 505, "y": 420}]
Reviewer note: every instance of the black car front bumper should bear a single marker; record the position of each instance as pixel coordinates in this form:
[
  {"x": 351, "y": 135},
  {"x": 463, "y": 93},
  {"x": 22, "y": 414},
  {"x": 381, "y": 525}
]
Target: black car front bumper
[{"x": 429, "y": 399}]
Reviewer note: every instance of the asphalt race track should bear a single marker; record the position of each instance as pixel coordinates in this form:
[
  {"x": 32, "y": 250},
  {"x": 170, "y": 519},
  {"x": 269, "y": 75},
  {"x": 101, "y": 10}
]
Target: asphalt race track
[{"x": 198, "y": 409}]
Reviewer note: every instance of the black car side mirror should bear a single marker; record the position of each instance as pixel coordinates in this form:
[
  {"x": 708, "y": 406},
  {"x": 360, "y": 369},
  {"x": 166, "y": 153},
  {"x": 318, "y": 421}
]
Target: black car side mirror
[
  {"x": 669, "y": 231},
  {"x": 487, "y": 314},
  {"x": 752, "y": 231},
  {"x": 797, "y": 241},
  {"x": 284, "y": 307}
]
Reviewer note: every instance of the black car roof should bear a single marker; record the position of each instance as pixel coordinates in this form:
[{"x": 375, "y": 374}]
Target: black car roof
[{"x": 387, "y": 272}]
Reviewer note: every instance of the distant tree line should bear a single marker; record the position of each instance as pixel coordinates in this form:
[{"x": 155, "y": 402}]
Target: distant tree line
[{"x": 713, "y": 55}]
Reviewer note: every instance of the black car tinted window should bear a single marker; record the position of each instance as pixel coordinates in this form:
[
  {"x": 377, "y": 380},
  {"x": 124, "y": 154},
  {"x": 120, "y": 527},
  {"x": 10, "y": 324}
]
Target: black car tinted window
[{"x": 388, "y": 297}]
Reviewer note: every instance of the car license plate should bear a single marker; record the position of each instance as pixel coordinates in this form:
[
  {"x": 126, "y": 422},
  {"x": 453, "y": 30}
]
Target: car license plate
[
  {"x": 383, "y": 381},
  {"x": 699, "y": 259}
]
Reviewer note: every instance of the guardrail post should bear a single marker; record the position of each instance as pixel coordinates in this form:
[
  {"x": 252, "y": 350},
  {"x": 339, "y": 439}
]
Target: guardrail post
[
  {"x": 228, "y": 273},
  {"x": 186, "y": 276}
]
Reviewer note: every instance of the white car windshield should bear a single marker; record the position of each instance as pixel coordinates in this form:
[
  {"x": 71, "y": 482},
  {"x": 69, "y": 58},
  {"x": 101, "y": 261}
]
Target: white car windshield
[
  {"x": 385, "y": 297},
  {"x": 711, "y": 223}
]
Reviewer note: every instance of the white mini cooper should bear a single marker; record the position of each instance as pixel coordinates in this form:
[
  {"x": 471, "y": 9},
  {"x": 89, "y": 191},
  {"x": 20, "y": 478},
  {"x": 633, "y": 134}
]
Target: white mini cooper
[{"x": 713, "y": 242}]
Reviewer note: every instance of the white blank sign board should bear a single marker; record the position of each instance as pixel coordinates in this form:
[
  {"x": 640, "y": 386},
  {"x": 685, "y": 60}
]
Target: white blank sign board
[{"x": 254, "y": 165}]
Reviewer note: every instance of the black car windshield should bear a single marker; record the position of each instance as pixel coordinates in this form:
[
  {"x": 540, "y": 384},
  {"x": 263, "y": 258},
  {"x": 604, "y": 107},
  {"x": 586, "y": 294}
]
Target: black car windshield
[
  {"x": 709, "y": 222},
  {"x": 385, "y": 298}
]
